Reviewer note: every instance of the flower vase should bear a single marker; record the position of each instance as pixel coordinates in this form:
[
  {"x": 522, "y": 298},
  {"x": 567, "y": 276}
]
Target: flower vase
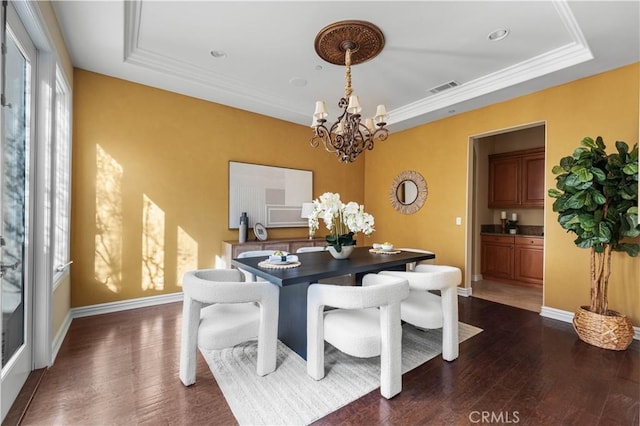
[{"x": 343, "y": 254}]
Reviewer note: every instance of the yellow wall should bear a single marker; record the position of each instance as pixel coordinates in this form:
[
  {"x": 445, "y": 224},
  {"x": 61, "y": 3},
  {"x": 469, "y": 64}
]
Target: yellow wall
[
  {"x": 605, "y": 104},
  {"x": 150, "y": 183},
  {"x": 173, "y": 151}
]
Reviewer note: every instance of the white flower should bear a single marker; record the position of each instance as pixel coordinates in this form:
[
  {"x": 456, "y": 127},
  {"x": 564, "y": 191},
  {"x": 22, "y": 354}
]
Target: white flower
[{"x": 340, "y": 218}]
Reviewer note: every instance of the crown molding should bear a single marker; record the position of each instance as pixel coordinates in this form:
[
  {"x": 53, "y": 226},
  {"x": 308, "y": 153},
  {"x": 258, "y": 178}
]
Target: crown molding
[
  {"x": 571, "y": 54},
  {"x": 138, "y": 56}
]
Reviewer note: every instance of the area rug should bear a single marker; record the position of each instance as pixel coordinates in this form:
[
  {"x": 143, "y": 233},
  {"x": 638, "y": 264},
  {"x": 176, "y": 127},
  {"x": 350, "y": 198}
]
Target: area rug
[{"x": 288, "y": 396}]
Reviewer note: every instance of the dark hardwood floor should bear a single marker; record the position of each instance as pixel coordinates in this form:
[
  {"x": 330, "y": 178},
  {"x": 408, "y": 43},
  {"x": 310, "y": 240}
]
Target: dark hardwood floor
[{"x": 523, "y": 369}]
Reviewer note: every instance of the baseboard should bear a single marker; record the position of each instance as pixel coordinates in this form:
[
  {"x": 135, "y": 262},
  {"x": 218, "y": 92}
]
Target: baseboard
[
  {"x": 476, "y": 277},
  {"x": 464, "y": 291},
  {"x": 59, "y": 338},
  {"x": 566, "y": 316},
  {"x": 124, "y": 305}
]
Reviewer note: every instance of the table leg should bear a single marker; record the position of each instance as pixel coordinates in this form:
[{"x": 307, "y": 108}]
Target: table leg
[{"x": 292, "y": 319}]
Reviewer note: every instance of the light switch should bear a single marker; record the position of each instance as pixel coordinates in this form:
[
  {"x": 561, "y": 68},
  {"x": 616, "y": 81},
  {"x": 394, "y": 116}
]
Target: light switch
[{"x": 458, "y": 221}]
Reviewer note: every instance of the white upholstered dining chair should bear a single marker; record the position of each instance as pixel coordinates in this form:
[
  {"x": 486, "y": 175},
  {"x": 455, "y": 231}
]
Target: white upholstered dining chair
[
  {"x": 411, "y": 266},
  {"x": 358, "y": 328},
  {"x": 426, "y": 310},
  {"x": 220, "y": 310},
  {"x": 249, "y": 277},
  {"x": 309, "y": 249}
]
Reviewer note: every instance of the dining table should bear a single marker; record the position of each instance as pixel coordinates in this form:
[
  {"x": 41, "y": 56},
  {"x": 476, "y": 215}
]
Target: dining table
[{"x": 313, "y": 266}]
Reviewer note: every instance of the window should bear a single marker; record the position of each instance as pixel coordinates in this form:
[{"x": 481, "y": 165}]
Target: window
[{"x": 61, "y": 176}]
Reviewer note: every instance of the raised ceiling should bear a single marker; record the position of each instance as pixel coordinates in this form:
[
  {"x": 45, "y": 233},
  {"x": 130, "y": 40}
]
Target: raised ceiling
[{"x": 268, "y": 64}]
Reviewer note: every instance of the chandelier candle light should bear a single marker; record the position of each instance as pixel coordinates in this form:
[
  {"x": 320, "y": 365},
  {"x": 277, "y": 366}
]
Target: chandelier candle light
[{"x": 348, "y": 42}]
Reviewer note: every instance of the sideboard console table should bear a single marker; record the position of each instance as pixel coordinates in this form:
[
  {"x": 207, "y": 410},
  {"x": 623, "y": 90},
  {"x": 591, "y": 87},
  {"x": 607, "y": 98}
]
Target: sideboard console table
[{"x": 231, "y": 249}]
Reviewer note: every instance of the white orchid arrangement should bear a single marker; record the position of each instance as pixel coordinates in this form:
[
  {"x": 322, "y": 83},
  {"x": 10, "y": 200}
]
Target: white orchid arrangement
[{"x": 343, "y": 220}]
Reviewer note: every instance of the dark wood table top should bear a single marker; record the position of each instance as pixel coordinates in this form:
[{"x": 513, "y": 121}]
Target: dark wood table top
[{"x": 318, "y": 265}]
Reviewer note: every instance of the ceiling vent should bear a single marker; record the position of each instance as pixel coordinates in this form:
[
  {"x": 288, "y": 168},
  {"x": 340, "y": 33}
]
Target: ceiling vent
[{"x": 446, "y": 86}]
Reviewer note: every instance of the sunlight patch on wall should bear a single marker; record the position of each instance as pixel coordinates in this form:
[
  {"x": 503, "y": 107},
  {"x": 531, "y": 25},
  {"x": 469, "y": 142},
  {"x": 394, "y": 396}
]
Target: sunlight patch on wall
[
  {"x": 152, "y": 245},
  {"x": 187, "y": 258},
  {"x": 108, "y": 238}
]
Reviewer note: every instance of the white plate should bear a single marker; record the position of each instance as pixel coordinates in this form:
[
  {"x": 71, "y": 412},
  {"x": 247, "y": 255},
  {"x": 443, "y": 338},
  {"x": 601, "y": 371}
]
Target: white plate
[{"x": 260, "y": 231}]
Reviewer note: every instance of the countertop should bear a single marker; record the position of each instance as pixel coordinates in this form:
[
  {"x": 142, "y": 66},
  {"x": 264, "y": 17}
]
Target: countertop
[
  {"x": 523, "y": 230},
  {"x": 513, "y": 235}
]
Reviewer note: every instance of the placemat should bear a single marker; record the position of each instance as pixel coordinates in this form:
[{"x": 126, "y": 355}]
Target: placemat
[{"x": 267, "y": 264}]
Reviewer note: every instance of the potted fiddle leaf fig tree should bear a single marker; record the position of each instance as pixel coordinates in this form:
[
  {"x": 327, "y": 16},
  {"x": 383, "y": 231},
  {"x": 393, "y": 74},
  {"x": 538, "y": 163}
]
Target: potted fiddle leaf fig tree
[{"x": 597, "y": 199}]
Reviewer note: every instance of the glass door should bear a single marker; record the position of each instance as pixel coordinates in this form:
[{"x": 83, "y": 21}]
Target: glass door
[{"x": 15, "y": 210}]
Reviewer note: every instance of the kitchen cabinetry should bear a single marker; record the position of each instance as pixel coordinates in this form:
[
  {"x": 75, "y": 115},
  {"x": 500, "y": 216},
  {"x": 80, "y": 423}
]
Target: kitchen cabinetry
[
  {"x": 231, "y": 249},
  {"x": 516, "y": 179},
  {"x": 513, "y": 259},
  {"x": 528, "y": 260},
  {"x": 497, "y": 256}
]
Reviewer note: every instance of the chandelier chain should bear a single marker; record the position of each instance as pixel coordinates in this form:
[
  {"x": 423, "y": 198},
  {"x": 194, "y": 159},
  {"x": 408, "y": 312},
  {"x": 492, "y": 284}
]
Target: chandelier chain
[{"x": 347, "y": 76}]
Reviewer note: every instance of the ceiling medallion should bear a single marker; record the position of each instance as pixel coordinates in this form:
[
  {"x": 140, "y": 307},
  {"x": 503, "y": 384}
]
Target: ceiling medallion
[{"x": 346, "y": 43}]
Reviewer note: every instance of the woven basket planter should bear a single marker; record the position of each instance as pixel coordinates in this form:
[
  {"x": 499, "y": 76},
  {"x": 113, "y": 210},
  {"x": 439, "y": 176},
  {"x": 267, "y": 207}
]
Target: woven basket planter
[{"x": 612, "y": 331}]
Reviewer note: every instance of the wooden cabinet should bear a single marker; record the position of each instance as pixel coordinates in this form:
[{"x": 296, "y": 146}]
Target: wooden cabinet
[
  {"x": 528, "y": 260},
  {"x": 497, "y": 256},
  {"x": 231, "y": 249},
  {"x": 516, "y": 179},
  {"x": 513, "y": 259}
]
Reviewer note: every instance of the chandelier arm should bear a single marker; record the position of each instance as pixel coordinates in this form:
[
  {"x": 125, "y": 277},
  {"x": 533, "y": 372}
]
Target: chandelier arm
[{"x": 321, "y": 134}]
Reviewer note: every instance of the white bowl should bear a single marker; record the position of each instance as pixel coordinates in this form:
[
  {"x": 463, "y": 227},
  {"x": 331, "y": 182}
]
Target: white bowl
[
  {"x": 386, "y": 246},
  {"x": 377, "y": 246}
]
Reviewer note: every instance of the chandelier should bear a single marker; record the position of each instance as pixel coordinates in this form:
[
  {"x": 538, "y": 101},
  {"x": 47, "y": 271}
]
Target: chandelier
[{"x": 348, "y": 42}]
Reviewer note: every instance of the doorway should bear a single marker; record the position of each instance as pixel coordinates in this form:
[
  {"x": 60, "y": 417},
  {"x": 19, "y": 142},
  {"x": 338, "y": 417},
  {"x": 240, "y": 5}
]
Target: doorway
[
  {"x": 486, "y": 219},
  {"x": 16, "y": 208}
]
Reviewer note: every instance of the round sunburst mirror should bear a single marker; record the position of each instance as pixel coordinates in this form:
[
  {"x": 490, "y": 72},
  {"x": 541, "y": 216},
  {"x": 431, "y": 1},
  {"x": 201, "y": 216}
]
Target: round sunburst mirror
[{"x": 408, "y": 192}]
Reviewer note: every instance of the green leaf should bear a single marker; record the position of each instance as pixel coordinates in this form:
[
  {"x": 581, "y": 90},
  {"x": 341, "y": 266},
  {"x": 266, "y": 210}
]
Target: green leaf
[
  {"x": 586, "y": 221},
  {"x": 600, "y": 143},
  {"x": 578, "y": 153},
  {"x": 584, "y": 175},
  {"x": 599, "y": 174},
  {"x": 622, "y": 147},
  {"x": 630, "y": 169},
  {"x": 604, "y": 232},
  {"x": 598, "y": 198},
  {"x": 588, "y": 142},
  {"x": 583, "y": 243},
  {"x": 554, "y": 193},
  {"x": 573, "y": 182},
  {"x": 566, "y": 163},
  {"x": 566, "y": 219},
  {"x": 577, "y": 200},
  {"x": 629, "y": 248},
  {"x": 557, "y": 170}
]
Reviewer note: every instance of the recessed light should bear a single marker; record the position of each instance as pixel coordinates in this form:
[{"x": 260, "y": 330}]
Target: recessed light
[
  {"x": 218, "y": 54},
  {"x": 498, "y": 34},
  {"x": 298, "y": 82}
]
